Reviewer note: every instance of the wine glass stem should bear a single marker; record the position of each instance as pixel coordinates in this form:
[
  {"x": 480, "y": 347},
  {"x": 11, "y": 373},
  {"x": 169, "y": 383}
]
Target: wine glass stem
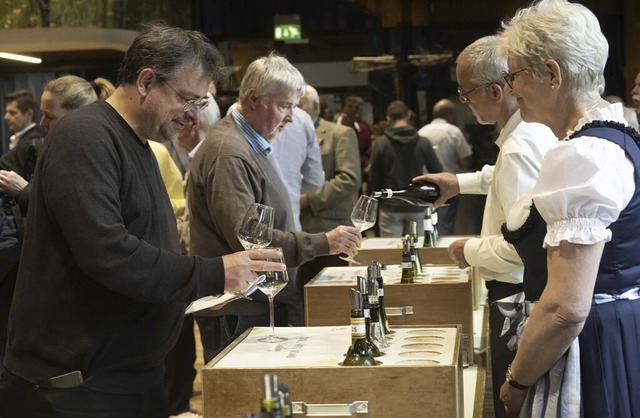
[{"x": 271, "y": 317}]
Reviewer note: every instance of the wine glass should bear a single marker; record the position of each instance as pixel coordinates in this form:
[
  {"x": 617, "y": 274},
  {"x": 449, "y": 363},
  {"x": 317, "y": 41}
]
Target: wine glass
[
  {"x": 363, "y": 216},
  {"x": 256, "y": 228},
  {"x": 273, "y": 283}
]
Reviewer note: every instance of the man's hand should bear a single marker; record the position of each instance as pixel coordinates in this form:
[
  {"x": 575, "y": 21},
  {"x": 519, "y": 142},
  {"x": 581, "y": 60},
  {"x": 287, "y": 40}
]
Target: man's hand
[
  {"x": 344, "y": 239},
  {"x": 513, "y": 399},
  {"x": 240, "y": 267},
  {"x": 447, "y": 182},
  {"x": 12, "y": 183},
  {"x": 304, "y": 200},
  {"x": 456, "y": 252}
]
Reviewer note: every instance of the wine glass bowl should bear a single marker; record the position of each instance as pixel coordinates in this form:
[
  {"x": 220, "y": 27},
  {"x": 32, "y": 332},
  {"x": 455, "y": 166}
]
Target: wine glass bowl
[
  {"x": 256, "y": 228},
  {"x": 363, "y": 217},
  {"x": 273, "y": 283}
]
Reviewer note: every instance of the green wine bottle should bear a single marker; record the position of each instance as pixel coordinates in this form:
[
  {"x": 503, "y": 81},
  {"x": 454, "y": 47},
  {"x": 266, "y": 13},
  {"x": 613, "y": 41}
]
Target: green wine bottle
[
  {"x": 408, "y": 265},
  {"x": 376, "y": 333},
  {"x": 372, "y": 348},
  {"x": 418, "y": 194},
  {"x": 285, "y": 400},
  {"x": 270, "y": 406},
  {"x": 358, "y": 354},
  {"x": 375, "y": 270},
  {"x": 413, "y": 231},
  {"x": 434, "y": 222},
  {"x": 429, "y": 238}
]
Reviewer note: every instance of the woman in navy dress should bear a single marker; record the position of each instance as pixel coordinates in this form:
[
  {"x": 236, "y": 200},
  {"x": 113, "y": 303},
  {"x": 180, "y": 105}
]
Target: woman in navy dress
[{"x": 579, "y": 351}]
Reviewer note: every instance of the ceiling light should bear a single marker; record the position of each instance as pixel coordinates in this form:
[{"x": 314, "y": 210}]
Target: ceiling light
[{"x": 24, "y": 58}]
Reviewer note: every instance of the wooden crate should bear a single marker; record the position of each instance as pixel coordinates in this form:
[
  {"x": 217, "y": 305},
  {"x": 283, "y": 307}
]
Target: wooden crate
[
  {"x": 309, "y": 364},
  {"x": 443, "y": 296},
  {"x": 388, "y": 250}
]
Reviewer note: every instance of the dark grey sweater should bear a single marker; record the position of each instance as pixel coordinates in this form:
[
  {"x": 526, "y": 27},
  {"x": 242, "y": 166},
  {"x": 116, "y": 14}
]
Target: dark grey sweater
[
  {"x": 102, "y": 285},
  {"x": 398, "y": 156}
]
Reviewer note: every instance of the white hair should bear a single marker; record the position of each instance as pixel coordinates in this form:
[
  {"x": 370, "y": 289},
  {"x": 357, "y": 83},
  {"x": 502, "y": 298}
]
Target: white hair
[
  {"x": 269, "y": 74},
  {"x": 568, "y": 33},
  {"x": 484, "y": 61},
  {"x": 209, "y": 116},
  {"x": 310, "y": 102}
]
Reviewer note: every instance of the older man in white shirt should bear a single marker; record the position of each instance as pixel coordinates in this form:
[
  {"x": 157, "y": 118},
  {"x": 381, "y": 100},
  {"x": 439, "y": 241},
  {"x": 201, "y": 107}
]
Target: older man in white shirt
[{"x": 522, "y": 148}]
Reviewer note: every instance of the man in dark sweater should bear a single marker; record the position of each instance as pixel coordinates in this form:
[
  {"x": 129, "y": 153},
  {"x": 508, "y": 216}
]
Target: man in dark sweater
[
  {"x": 102, "y": 287},
  {"x": 398, "y": 156}
]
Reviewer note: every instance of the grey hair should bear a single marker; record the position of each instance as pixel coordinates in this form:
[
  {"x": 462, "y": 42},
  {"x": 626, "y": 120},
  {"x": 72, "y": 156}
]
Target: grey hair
[
  {"x": 166, "y": 49},
  {"x": 484, "y": 61},
  {"x": 568, "y": 33},
  {"x": 210, "y": 115},
  {"x": 310, "y": 102},
  {"x": 74, "y": 92},
  {"x": 269, "y": 74},
  {"x": 311, "y": 95}
]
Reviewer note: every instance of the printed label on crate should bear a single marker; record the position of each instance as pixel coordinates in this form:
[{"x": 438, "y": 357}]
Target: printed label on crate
[
  {"x": 326, "y": 346},
  {"x": 332, "y": 276}
]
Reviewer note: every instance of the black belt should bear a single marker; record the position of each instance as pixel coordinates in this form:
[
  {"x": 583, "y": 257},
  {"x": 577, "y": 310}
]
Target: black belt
[{"x": 498, "y": 290}]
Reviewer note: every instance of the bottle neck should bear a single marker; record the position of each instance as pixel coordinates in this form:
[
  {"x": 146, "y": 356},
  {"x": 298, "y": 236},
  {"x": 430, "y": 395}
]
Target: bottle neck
[
  {"x": 358, "y": 327},
  {"x": 382, "y": 194}
]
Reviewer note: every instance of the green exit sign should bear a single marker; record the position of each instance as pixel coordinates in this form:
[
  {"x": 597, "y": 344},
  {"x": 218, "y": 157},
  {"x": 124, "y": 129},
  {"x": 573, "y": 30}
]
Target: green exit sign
[{"x": 287, "y": 32}]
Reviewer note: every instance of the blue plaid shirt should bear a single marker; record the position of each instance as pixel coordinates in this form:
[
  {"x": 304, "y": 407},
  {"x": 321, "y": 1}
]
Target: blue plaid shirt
[{"x": 259, "y": 144}]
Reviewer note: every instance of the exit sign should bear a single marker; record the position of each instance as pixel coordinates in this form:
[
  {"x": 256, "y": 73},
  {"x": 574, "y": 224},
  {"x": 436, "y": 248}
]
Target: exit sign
[
  {"x": 287, "y": 32},
  {"x": 287, "y": 28}
]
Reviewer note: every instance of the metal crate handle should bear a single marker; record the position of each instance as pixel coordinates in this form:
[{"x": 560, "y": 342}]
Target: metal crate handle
[
  {"x": 330, "y": 410},
  {"x": 398, "y": 310}
]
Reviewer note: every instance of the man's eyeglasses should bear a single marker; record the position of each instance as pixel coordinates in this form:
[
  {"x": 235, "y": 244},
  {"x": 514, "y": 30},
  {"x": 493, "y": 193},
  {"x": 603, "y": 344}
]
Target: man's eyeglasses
[
  {"x": 509, "y": 77},
  {"x": 190, "y": 104},
  {"x": 464, "y": 94}
]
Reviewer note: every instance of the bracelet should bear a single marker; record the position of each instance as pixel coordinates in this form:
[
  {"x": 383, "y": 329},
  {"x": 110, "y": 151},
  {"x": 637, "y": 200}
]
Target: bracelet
[{"x": 511, "y": 381}]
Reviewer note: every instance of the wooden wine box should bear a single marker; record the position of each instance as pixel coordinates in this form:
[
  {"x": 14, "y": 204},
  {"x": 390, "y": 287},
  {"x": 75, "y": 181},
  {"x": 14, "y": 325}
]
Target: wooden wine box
[
  {"x": 388, "y": 250},
  {"x": 420, "y": 375},
  {"x": 442, "y": 295}
]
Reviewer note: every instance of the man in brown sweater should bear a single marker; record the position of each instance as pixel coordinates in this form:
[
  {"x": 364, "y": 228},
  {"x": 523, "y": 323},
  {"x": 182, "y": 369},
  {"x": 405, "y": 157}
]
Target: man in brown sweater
[{"x": 233, "y": 168}]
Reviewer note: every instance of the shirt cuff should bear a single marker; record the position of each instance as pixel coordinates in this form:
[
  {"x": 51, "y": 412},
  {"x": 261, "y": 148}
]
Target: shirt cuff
[{"x": 468, "y": 183}]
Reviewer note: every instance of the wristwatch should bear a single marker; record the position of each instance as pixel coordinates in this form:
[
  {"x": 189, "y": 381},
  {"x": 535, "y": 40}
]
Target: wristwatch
[{"x": 510, "y": 380}]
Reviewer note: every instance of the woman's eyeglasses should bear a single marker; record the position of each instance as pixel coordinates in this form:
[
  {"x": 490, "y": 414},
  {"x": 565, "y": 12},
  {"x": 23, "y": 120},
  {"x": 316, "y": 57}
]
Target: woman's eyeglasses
[{"x": 509, "y": 77}]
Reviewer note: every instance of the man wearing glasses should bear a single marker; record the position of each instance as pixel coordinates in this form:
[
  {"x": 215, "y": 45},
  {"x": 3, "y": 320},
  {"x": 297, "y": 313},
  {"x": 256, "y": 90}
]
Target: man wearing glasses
[
  {"x": 482, "y": 81},
  {"x": 102, "y": 286}
]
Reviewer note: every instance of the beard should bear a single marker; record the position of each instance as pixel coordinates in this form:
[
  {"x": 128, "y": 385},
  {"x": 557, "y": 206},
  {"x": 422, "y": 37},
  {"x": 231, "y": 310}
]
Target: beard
[
  {"x": 169, "y": 132},
  {"x": 480, "y": 119}
]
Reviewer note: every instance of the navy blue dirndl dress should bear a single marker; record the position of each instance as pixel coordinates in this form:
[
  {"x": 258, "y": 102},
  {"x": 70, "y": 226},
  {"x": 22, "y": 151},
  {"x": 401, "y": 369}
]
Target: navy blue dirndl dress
[{"x": 610, "y": 339}]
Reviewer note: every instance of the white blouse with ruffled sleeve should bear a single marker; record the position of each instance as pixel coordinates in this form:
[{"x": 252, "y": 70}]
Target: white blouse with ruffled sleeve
[{"x": 584, "y": 184}]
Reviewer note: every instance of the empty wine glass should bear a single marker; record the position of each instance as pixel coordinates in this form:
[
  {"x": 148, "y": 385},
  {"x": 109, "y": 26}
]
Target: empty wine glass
[
  {"x": 363, "y": 216},
  {"x": 256, "y": 228},
  {"x": 273, "y": 283}
]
